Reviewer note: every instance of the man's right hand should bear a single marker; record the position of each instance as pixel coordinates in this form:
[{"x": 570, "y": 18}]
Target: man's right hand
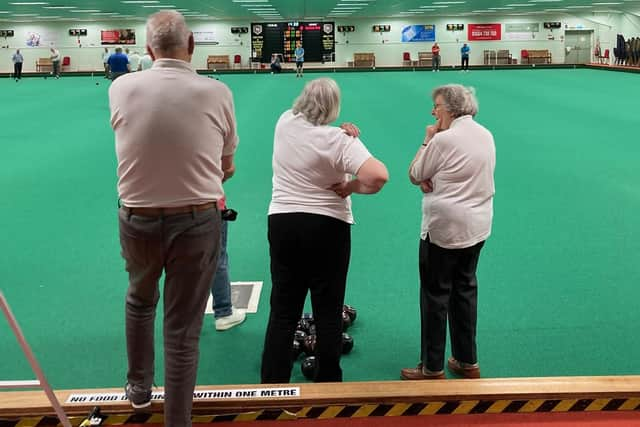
[
  {"x": 228, "y": 167},
  {"x": 228, "y": 173}
]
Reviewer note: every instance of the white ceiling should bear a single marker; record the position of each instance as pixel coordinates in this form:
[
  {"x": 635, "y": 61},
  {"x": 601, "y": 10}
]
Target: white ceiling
[{"x": 258, "y": 10}]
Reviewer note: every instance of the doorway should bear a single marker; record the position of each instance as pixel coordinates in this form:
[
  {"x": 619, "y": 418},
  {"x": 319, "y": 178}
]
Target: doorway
[{"x": 577, "y": 46}]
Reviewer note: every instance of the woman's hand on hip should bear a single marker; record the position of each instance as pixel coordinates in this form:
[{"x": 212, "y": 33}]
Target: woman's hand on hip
[
  {"x": 342, "y": 189},
  {"x": 426, "y": 186}
]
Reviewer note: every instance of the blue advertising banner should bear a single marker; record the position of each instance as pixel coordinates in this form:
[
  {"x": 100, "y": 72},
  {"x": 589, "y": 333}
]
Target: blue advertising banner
[{"x": 419, "y": 33}]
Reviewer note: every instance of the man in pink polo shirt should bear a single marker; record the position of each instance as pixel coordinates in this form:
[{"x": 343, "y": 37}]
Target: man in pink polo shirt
[{"x": 175, "y": 141}]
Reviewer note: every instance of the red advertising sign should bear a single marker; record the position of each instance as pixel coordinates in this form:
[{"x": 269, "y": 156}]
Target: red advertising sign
[
  {"x": 118, "y": 37},
  {"x": 484, "y": 32}
]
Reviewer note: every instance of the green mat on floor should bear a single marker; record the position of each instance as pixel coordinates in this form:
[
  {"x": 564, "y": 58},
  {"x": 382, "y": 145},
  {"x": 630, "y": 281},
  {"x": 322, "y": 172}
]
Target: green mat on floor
[{"x": 558, "y": 278}]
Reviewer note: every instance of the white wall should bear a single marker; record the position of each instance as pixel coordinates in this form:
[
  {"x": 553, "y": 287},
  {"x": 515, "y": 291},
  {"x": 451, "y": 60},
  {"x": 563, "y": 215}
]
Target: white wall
[
  {"x": 605, "y": 28},
  {"x": 386, "y": 46},
  {"x": 630, "y": 25},
  {"x": 390, "y": 52},
  {"x": 89, "y": 56}
]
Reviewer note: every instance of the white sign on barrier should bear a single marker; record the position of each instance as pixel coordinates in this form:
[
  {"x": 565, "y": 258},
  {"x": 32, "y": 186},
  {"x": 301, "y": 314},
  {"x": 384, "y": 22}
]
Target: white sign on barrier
[{"x": 246, "y": 393}]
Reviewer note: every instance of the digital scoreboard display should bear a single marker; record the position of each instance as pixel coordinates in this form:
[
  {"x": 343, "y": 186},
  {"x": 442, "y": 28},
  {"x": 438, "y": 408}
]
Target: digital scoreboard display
[{"x": 317, "y": 39}]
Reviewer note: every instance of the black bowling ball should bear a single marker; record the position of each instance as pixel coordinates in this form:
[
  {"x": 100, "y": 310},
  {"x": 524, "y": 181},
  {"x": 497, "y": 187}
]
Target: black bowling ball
[
  {"x": 304, "y": 325},
  {"x": 298, "y": 344},
  {"x": 299, "y": 336},
  {"x": 296, "y": 350},
  {"x": 309, "y": 368},
  {"x": 347, "y": 343},
  {"x": 352, "y": 312},
  {"x": 346, "y": 321},
  {"x": 309, "y": 345}
]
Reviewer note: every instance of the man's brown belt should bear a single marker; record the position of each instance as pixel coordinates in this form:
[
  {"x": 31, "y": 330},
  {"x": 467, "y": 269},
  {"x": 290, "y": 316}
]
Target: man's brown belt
[{"x": 168, "y": 211}]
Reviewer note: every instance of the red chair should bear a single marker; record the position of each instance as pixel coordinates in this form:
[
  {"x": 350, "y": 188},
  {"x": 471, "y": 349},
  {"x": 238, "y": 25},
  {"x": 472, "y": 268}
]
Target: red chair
[
  {"x": 524, "y": 54},
  {"x": 237, "y": 61},
  {"x": 604, "y": 59},
  {"x": 406, "y": 58}
]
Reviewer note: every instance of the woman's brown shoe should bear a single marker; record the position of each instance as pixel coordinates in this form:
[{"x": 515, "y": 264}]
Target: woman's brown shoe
[
  {"x": 420, "y": 373},
  {"x": 466, "y": 370}
]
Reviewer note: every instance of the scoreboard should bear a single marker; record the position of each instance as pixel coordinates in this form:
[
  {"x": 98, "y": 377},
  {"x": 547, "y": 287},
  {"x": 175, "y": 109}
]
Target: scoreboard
[{"x": 317, "y": 39}]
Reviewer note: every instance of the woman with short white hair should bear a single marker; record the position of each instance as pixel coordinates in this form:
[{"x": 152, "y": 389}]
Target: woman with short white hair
[
  {"x": 454, "y": 168},
  {"x": 316, "y": 167}
]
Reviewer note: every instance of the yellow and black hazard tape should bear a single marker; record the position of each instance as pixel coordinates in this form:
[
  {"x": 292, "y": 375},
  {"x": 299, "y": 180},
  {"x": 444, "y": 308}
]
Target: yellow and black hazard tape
[{"x": 457, "y": 407}]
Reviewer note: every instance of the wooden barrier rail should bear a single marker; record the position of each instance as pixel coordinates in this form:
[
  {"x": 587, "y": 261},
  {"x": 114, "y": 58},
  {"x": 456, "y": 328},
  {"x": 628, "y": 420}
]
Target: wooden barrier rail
[{"x": 523, "y": 395}]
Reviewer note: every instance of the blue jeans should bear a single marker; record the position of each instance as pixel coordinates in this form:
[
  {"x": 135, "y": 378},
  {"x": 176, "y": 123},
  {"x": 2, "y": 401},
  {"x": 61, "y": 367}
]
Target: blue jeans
[{"x": 221, "y": 286}]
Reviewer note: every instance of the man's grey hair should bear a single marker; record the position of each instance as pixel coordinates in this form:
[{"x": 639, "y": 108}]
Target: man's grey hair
[
  {"x": 319, "y": 101},
  {"x": 167, "y": 31},
  {"x": 458, "y": 100}
]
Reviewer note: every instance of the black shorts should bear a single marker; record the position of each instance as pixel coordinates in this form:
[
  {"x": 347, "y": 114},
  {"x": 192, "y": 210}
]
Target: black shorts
[{"x": 299, "y": 64}]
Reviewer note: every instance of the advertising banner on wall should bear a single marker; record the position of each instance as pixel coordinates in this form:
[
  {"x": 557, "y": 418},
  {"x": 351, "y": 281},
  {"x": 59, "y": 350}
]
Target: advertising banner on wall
[
  {"x": 204, "y": 37},
  {"x": 484, "y": 32},
  {"x": 419, "y": 33},
  {"x": 118, "y": 37},
  {"x": 40, "y": 37},
  {"x": 34, "y": 39},
  {"x": 526, "y": 31},
  {"x": 532, "y": 27}
]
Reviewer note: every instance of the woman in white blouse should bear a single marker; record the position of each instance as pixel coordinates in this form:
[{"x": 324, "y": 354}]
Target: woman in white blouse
[
  {"x": 454, "y": 167},
  {"x": 316, "y": 167}
]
